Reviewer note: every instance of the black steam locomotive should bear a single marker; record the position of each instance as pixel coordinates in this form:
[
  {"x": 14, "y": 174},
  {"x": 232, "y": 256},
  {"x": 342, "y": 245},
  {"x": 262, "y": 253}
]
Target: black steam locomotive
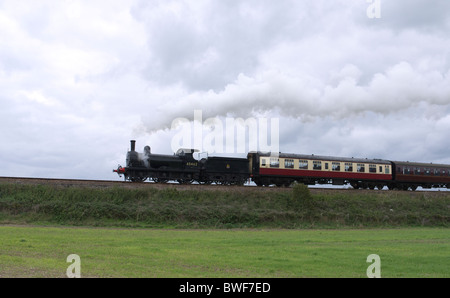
[
  {"x": 266, "y": 169},
  {"x": 183, "y": 167}
]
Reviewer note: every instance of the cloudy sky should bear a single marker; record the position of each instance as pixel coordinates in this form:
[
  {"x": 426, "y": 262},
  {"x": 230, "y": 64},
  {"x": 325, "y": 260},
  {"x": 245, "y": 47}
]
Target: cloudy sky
[{"x": 79, "y": 79}]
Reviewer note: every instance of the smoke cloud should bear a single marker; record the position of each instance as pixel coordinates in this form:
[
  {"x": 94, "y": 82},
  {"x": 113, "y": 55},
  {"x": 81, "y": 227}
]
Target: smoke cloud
[{"x": 307, "y": 98}]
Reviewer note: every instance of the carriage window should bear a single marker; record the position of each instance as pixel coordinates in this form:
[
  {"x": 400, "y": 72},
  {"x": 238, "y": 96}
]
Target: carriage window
[
  {"x": 263, "y": 162},
  {"x": 274, "y": 162},
  {"x": 386, "y": 169},
  {"x": 417, "y": 171},
  {"x": 289, "y": 163},
  {"x": 348, "y": 167},
  {"x": 303, "y": 164},
  {"x": 317, "y": 165},
  {"x": 381, "y": 169},
  {"x": 360, "y": 167},
  {"x": 427, "y": 172},
  {"x": 372, "y": 168},
  {"x": 336, "y": 166}
]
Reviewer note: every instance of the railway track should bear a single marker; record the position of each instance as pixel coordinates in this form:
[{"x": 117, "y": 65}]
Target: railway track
[
  {"x": 61, "y": 182},
  {"x": 108, "y": 183}
]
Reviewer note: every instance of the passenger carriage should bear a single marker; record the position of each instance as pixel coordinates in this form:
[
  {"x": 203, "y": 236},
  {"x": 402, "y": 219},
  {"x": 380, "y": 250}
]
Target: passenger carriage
[{"x": 283, "y": 169}]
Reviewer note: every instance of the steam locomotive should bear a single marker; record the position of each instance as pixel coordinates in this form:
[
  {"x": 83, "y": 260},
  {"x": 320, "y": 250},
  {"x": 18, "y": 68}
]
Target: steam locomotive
[
  {"x": 183, "y": 167},
  {"x": 282, "y": 169}
]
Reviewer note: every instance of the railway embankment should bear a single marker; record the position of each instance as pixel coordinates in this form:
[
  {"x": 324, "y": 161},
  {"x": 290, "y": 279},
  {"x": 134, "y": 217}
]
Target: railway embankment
[{"x": 171, "y": 206}]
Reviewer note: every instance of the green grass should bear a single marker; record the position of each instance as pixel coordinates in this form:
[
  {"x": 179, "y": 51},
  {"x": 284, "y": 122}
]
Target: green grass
[
  {"x": 106, "y": 252},
  {"x": 232, "y": 208},
  {"x": 151, "y": 232}
]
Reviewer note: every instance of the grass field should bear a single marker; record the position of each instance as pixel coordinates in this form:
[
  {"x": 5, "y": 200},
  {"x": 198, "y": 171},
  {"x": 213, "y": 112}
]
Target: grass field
[
  {"x": 109, "y": 252},
  {"x": 234, "y": 232}
]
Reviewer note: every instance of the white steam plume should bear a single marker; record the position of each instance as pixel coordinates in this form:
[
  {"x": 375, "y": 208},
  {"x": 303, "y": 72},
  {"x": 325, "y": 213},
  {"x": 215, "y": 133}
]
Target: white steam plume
[{"x": 307, "y": 98}]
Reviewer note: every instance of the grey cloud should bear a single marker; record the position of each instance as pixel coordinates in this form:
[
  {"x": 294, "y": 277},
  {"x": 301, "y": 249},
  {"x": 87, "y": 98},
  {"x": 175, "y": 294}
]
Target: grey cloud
[
  {"x": 77, "y": 79},
  {"x": 418, "y": 15},
  {"x": 209, "y": 47}
]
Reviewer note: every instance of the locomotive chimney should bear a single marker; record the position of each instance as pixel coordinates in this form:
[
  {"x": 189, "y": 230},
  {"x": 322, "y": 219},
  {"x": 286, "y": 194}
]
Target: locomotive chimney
[{"x": 132, "y": 145}]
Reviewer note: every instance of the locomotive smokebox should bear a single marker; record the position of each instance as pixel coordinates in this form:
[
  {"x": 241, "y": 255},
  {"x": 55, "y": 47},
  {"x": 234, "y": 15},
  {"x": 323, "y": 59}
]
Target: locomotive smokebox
[{"x": 133, "y": 146}]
